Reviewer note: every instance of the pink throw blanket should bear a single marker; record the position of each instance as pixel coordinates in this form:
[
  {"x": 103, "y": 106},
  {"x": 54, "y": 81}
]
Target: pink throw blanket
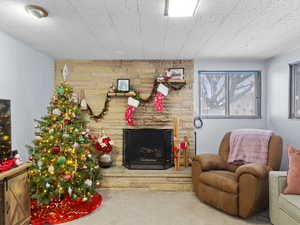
[{"x": 249, "y": 146}]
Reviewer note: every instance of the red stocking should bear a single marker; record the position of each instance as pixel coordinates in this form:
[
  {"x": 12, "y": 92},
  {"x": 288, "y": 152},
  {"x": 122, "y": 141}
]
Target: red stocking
[
  {"x": 159, "y": 102},
  {"x": 132, "y": 105},
  {"x": 129, "y": 115},
  {"x": 162, "y": 91}
]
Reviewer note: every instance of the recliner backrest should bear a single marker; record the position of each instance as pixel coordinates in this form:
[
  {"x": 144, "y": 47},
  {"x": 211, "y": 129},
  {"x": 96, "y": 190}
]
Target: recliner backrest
[{"x": 274, "y": 153}]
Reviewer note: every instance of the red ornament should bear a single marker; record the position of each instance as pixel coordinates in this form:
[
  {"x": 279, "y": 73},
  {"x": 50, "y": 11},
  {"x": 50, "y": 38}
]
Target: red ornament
[
  {"x": 56, "y": 149},
  {"x": 44, "y": 150},
  {"x": 62, "y": 211},
  {"x": 67, "y": 119},
  {"x": 30, "y": 158},
  {"x": 58, "y": 126},
  {"x": 55, "y": 99},
  {"x": 68, "y": 176}
]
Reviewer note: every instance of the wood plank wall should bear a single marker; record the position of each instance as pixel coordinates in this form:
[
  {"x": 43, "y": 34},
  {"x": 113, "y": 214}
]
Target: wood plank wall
[{"x": 95, "y": 78}]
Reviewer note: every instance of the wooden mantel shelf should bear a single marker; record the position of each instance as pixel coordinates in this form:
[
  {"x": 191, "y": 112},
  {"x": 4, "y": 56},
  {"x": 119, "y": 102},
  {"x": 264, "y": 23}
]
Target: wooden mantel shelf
[
  {"x": 121, "y": 94},
  {"x": 15, "y": 170},
  {"x": 172, "y": 81}
]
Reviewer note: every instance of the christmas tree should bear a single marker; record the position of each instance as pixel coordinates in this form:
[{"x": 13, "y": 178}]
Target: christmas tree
[{"x": 61, "y": 154}]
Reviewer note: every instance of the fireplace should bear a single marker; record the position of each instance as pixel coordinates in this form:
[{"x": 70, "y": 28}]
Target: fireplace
[{"x": 147, "y": 149}]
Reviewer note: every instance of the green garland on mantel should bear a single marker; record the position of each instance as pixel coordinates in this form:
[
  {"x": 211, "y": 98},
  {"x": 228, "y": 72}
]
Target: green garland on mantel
[{"x": 104, "y": 111}]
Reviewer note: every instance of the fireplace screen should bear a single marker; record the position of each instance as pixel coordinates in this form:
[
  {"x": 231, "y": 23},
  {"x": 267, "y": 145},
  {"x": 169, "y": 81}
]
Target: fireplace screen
[{"x": 147, "y": 148}]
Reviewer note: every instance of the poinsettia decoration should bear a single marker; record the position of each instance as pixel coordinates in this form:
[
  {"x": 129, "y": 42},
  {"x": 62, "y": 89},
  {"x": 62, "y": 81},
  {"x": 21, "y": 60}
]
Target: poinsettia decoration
[{"x": 104, "y": 144}]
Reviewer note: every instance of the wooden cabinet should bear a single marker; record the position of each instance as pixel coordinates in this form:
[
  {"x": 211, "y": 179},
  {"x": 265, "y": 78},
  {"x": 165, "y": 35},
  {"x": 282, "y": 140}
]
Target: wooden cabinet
[{"x": 15, "y": 196}]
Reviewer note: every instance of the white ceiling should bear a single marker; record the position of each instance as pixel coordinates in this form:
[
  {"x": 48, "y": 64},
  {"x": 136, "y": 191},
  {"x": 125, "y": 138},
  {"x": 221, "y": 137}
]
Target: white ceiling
[{"x": 137, "y": 29}]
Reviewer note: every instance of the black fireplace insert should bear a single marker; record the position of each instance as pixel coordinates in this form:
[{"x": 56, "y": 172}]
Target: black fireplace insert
[{"x": 147, "y": 149}]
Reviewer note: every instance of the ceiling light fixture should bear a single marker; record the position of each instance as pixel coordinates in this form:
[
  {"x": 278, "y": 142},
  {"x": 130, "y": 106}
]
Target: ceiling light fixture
[
  {"x": 36, "y": 11},
  {"x": 181, "y": 8}
]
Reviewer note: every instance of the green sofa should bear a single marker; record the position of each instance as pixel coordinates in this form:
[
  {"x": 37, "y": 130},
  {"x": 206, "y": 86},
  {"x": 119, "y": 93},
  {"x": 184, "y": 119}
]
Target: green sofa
[{"x": 284, "y": 209}]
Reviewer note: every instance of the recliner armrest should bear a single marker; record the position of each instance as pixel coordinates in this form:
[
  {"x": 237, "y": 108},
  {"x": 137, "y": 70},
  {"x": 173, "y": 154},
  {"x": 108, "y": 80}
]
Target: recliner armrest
[
  {"x": 210, "y": 162},
  {"x": 255, "y": 169}
]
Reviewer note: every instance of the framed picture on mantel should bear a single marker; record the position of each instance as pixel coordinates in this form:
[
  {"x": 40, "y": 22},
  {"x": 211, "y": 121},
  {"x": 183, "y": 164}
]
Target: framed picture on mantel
[
  {"x": 176, "y": 73},
  {"x": 123, "y": 85}
]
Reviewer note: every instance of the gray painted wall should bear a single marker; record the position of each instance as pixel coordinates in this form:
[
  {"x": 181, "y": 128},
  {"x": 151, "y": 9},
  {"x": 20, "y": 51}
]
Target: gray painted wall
[
  {"x": 278, "y": 101},
  {"x": 27, "y": 80}
]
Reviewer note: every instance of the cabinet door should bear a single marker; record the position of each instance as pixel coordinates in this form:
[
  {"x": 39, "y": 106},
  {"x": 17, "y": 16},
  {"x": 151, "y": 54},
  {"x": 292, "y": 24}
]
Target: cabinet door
[{"x": 17, "y": 200}]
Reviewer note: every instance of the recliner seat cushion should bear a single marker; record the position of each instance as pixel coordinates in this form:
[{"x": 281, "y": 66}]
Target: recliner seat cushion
[
  {"x": 290, "y": 204},
  {"x": 221, "y": 180}
]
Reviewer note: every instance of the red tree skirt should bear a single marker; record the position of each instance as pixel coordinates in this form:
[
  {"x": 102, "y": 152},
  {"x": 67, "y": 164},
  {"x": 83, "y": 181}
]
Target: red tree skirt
[{"x": 61, "y": 211}]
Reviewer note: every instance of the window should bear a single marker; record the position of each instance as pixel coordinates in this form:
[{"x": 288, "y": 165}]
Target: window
[
  {"x": 230, "y": 94},
  {"x": 294, "y": 91}
]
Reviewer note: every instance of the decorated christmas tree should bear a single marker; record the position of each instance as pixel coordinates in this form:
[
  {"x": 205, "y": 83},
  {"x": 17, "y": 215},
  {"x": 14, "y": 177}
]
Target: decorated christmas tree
[{"x": 63, "y": 164}]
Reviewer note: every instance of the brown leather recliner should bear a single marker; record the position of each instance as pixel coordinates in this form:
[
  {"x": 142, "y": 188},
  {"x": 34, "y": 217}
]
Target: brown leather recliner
[{"x": 237, "y": 190}]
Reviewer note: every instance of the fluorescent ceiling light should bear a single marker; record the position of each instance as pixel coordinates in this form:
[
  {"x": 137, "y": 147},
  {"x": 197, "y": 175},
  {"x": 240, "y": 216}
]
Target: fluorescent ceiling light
[
  {"x": 181, "y": 8},
  {"x": 36, "y": 11}
]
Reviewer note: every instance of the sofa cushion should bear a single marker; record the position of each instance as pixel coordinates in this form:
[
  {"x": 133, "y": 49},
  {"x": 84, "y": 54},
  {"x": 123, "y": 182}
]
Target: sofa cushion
[
  {"x": 220, "y": 179},
  {"x": 293, "y": 178},
  {"x": 290, "y": 204}
]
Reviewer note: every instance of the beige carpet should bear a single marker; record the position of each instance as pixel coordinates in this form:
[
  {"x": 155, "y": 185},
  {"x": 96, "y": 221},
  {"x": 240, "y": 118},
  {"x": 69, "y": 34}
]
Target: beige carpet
[{"x": 127, "y": 207}]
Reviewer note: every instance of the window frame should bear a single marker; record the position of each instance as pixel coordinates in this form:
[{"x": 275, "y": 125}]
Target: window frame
[
  {"x": 292, "y": 91},
  {"x": 258, "y": 95}
]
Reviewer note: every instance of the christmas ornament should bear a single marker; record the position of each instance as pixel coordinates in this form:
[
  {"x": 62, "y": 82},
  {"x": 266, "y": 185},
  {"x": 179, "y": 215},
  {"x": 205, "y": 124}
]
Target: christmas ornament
[
  {"x": 51, "y": 131},
  {"x": 70, "y": 190},
  {"x": 61, "y": 160},
  {"x": 39, "y": 163},
  {"x": 132, "y": 105},
  {"x": 84, "y": 199},
  {"x": 68, "y": 176},
  {"x": 56, "y": 111},
  {"x": 76, "y": 145},
  {"x": 61, "y": 91},
  {"x": 162, "y": 91},
  {"x": 56, "y": 149},
  {"x": 88, "y": 182},
  {"x": 66, "y": 135},
  {"x": 67, "y": 119},
  {"x": 55, "y": 99},
  {"x": 47, "y": 185},
  {"x": 81, "y": 140},
  {"x": 51, "y": 169},
  {"x": 74, "y": 196}
]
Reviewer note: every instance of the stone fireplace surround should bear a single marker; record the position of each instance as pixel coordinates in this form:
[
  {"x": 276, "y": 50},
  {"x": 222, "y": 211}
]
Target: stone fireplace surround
[{"x": 96, "y": 76}]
